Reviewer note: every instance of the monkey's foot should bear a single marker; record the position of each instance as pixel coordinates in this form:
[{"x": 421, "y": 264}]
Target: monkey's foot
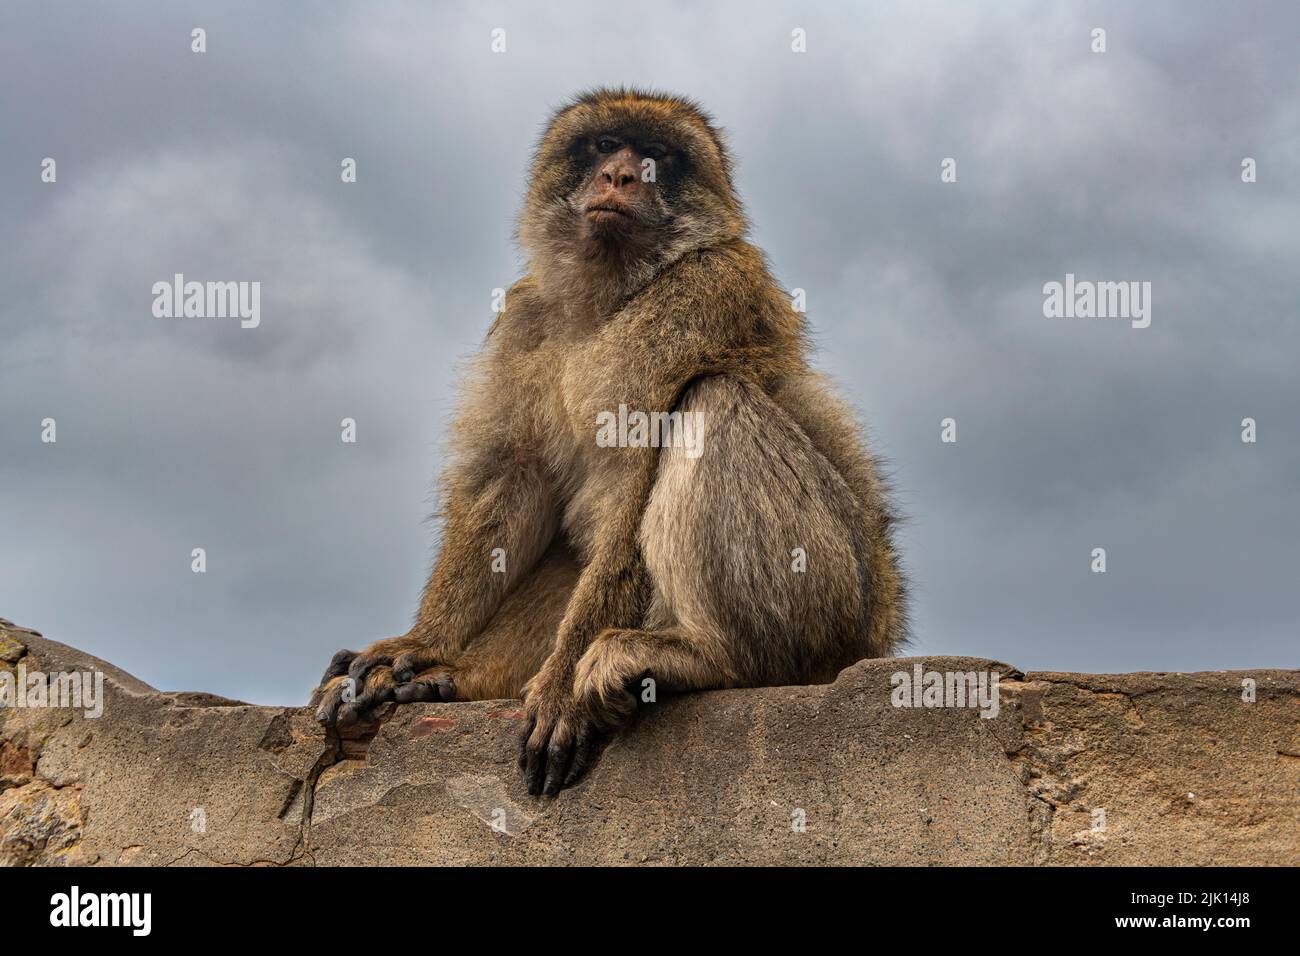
[
  {"x": 555, "y": 751},
  {"x": 341, "y": 700},
  {"x": 357, "y": 686},
  {"x": 561, "y": 736}
]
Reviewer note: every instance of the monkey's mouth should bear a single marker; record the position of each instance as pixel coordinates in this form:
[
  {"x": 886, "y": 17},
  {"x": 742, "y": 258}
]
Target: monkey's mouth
[{"x": 607, "y": 212}]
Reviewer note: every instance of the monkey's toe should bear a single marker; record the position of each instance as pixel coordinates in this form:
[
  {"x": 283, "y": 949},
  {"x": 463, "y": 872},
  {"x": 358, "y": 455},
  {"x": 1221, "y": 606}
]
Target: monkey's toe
[
  {"x": 377, "y": 688},
  {"x": 556, "y": 758},
  {"x": 366, "y": 662},
  {"x": 410, "y": 663},
  {"x": 338, "y": 666},
  {"x": 436, "y": 684},
  {"x": 330, "y": 696},
  {"x": 584, "y": 749},
  {"x": 345, "y": 701}
]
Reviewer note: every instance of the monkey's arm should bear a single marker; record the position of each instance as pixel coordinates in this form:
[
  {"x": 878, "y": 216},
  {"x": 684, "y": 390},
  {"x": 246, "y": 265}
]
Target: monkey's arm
[
  {"x": 612, "y": 591},
  {"x": 499, "y": 517}
]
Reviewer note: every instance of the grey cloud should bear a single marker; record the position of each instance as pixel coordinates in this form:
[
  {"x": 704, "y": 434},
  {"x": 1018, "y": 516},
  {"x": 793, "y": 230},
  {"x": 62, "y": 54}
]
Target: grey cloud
[{"x": 925, "y": 300}]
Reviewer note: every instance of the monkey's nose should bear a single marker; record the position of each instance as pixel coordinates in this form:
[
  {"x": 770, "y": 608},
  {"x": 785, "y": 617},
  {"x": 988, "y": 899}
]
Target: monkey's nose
[{"x": 618, "y": 175}]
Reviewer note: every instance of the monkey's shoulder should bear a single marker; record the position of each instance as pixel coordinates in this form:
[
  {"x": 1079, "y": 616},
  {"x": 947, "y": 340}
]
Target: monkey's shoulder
[
  {"x": 735, "y": 262},
  {"x": 731, "y": 276},
  {"x": 718, "y": 298},
  {"x": 523, "y": 322}
]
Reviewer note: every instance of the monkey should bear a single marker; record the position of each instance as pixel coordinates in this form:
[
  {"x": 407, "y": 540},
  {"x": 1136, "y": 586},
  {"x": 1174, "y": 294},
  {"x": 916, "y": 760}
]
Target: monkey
[{"x": 570, "y": 570}]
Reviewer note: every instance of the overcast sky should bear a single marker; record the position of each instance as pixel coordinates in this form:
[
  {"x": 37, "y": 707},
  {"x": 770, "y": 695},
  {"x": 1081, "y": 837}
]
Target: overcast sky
[{"x": 926, "y": 300}]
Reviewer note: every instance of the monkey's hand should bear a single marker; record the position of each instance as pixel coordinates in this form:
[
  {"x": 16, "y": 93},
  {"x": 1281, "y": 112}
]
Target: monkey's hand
[
  {"x": 356, "y": 686},
  {"x": 560, "y": 732}
]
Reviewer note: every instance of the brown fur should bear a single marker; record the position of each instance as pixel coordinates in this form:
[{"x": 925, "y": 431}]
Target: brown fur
[{"x": 623, "y": 563}]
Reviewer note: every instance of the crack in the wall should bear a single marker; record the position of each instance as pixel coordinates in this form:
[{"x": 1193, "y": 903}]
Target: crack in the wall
[
  {"x": 1043, "y": 750},
  {"x": 302, "y": 789},
  {"x": 337, "y": 749},
  {"x": 213, "y": 861},
  {"x": 1046, "y": 788},
  {"x": 331, "y": 755}
]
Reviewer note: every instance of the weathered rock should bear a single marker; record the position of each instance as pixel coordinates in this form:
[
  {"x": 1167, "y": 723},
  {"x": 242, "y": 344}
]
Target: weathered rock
[
  {"x": 1074, "y": 769},
  {"x": 152, "y": 780}
]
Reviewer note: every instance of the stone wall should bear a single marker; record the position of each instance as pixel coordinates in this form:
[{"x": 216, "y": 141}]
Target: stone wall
[{"x": 1074, "y": 769}]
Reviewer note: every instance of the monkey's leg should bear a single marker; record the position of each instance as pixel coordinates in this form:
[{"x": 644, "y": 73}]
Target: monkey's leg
[
  {"x": 612, "y": 673},
  {"x": 612, "y": 591},
  {"x": 756, "y": 543}
]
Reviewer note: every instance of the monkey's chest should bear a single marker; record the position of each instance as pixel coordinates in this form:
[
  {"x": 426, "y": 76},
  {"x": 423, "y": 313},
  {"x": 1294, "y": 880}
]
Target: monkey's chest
[
  {"x": 578, "y": 423},
  {"x": 579, "y": 387}
]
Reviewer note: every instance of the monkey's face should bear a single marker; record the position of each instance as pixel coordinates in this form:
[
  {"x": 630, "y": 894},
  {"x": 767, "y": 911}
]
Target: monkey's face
[
  {"x": 624, "y": 182},
  {"x": 619, "y": 198}
]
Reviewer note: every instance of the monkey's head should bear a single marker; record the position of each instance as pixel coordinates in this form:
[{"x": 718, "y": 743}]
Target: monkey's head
[{"x": 624, "y": 183}]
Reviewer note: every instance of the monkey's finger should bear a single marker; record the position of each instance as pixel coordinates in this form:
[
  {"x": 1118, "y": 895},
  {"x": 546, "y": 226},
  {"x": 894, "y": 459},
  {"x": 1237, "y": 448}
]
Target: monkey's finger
[
  {"x": 365, "y": 662},
  {"x": 558, "y": 754},
  {"x": 536, "y": 763},
  {"x": 331, "y": 696},
  {"x": 338, "y": 666},
  {"x": 408, "y": 664},
  {"x": 378, "y": 689},
  {"x": 447, "y": 688},
  {"x": 582, "y": 753},
  {"x": 413, "y": 692},
  {"x": 523, "y": 742},
  {"x": 436, "y": 684}
]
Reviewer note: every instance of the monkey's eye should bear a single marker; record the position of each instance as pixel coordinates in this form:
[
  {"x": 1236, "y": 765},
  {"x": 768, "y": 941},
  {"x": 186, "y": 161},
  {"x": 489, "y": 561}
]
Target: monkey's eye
[
  {"x": 655, "y": 151},
  {"x": 606, "y": 144}
]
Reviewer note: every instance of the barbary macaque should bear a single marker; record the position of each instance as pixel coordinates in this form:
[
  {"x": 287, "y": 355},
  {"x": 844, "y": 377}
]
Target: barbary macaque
[{"x": 759, "y": 552}]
